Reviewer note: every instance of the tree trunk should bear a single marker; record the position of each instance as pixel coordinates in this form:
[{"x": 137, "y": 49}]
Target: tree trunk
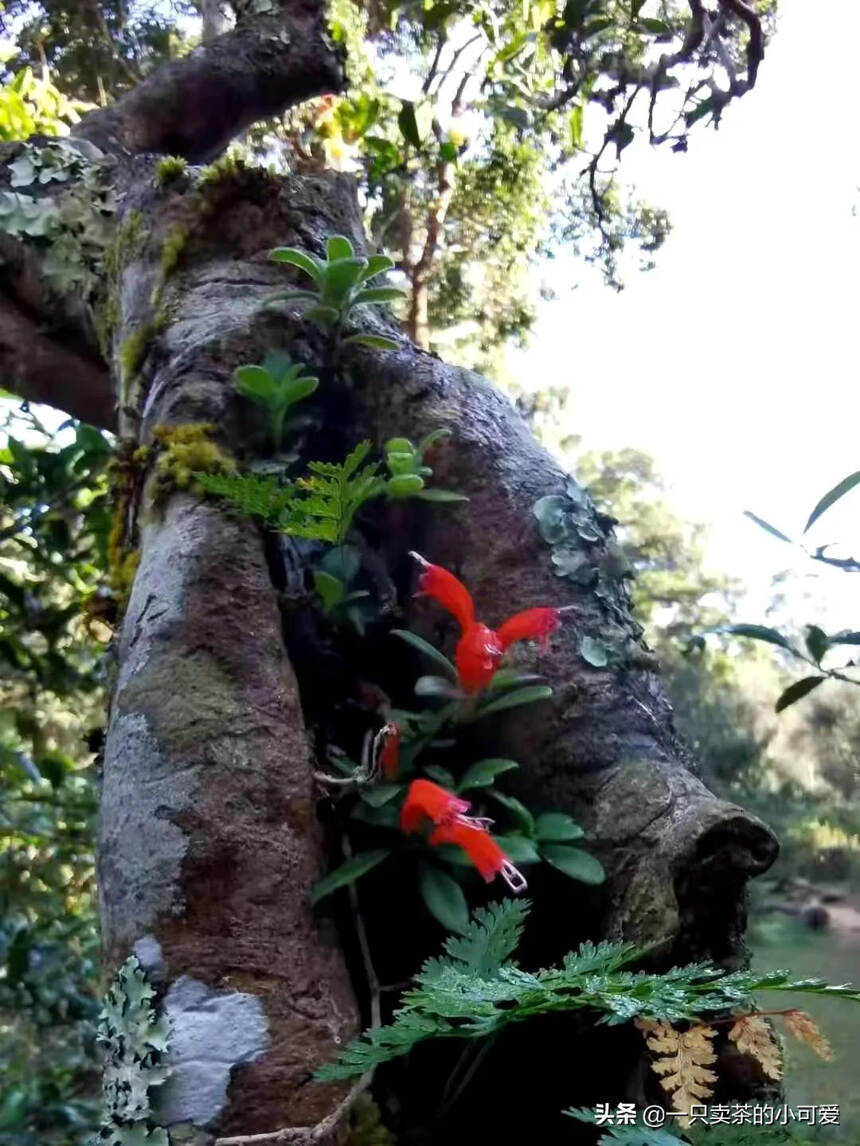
[
  {"x": 226, "y": 681},
  {"x": 209, "y": 841}
]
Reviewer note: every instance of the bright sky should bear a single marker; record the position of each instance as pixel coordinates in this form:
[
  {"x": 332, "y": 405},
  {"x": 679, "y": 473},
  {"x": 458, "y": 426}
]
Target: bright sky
[{"x": 734, "y": 362}]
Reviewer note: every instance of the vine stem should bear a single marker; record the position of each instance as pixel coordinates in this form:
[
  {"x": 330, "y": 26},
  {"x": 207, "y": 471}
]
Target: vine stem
[{"x": 307, "y": 1135}]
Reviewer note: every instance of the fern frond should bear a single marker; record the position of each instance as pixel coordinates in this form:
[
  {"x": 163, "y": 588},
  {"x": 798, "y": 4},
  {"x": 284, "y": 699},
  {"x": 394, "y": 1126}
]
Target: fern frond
[
  {"x": 685, "y": 1057},
  {"x": 249, "y": 494},
  {"x": 753, "y": 1036},
  {"x": 331, "y": 496},
  {"x": 491, "y": 937},
  {"x": 637, "y": 1135},
  {"x": 382, "y": 1044},
  {"x": 474, "y": 989},
  {"x": 803, "y": 1027}
]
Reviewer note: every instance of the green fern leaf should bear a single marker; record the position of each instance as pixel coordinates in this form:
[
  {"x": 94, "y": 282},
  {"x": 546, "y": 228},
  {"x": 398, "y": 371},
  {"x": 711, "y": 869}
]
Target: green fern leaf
[
  {"x": 249, "y": 494},
  {"x": 331, "y": 495},
  {"x": 474, "y": 989}
]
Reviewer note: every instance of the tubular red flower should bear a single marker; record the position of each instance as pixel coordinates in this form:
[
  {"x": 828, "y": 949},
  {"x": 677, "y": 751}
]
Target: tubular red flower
[
  {"x": 480, "y": 648},
  {"x": 481, "y": 849},
  {"x": 428, "y": 801},
  {"x": 530, "y": 625},
  {"x": 386, "y": 751},
  {"x": 477, "y": 657},
  {"x": 448, "y": 590}
]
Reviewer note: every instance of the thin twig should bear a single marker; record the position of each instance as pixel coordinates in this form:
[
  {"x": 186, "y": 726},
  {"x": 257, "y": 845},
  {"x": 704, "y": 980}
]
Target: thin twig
[
  {"x": 301, "y": 1135},
  {"x": 363, "y": 944}
]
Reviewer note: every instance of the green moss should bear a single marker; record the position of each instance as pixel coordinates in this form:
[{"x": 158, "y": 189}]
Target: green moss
[
  {"x": 124, "y": 472},
  {"x": 129, "y": 242},
  {"x": 175, "y": 243},
  {"x": 169, "y": 169},
  {"x": 367, "y": 1128},
  {"x": 227, "y": 167},
  {"x": 131, "y": 354},
  {"x": 105, "y": 318},
  {"x": 186, "y": 450}
]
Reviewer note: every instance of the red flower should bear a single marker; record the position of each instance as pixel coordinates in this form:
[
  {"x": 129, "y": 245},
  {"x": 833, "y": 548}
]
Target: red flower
[
  {"x": 480, "y": 649},
  {"x": 482, "y": 850},
  {"x": 386, "y": 751},
  {"x": 426, "y": 801}
]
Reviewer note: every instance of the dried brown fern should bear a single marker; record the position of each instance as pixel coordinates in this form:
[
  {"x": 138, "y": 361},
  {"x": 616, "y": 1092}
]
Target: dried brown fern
[
  {"x": 803, "y": 1027},
  {"x": 753, "y": 1036},
  {"x": 683, "y": 1062}
]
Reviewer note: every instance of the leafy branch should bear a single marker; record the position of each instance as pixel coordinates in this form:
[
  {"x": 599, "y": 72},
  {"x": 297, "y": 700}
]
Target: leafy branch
[{"x": 817, "y": 642}]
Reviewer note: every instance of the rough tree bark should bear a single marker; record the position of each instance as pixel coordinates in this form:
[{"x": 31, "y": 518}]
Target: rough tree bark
[{"x": 209, "y": 835}]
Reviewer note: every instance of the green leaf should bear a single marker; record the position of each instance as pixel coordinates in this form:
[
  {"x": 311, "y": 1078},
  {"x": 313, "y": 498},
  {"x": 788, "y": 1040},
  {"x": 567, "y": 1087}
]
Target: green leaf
[
  {"x": 355, "y": 867},
  {"x": 255, "y": 383},
  {"x": 520, "y": 813},
  {"x": 817, "y": 642},
  {"x": 299, "y": 388},
  {"x": 374, "y": 341},
  {"x": 415, "y": 121},
  {"x": 484, "y": 772},
  {"x": 288, "y": 296},
  {"x": 518, "y": 848},
  {"x": 378, "y": 795},
  {"x": 338, "y": 247},
  {"x": 329, "y": 589},
  {"x": 623, "y": 135},
  {"x": 797, "y": 691},
  {"x": 404, "y": 485},
  {"x": 343, "y": 562},
  {"x": 444, "y": 899},
  {"x": 574, "y": 862},
  {"x": 385, "y": 816},
  {"x": 556, "y": 826},
  {"x": 376, "y": 264},
  {"x": 831, "y": 497},
  {"x": 428, "y": 650},
  {"x": 576, "y": 121},
  {"x": 435, "y": 686},
  {"x": 380, "y": 294},
  {"x": 766, "y": 526},
  {"x": 594, "y": 652},
  {"x": 439, "y": 495},
  {"x": 300, "y": 259},
  {"x": 325, "y": 315},
  {"x": 658, "y": 27},
  {"x": 756, "y": 633},
  {"x": 507, "y": 678},
  {"x": 340, "y": 280},
  {"x": 440, "y": 775},
  {"x": 514, "y": 699}
]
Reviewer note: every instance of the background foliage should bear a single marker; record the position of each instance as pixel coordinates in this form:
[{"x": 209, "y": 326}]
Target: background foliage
[{"x": 470, "y": 156}]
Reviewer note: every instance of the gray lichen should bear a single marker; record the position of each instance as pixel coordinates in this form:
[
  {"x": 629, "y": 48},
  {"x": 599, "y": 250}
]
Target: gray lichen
[
  {"x": 212, "y": 1032},
  {"x": 140, "y": 857},
  {"x": 134, "y": 1040},
  {"x": 585, "y": 553}
]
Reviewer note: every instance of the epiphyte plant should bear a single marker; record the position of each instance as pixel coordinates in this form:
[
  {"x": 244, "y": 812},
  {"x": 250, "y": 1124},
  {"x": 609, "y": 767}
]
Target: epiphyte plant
[
  {"x": 338, "y": 285},
  {"x": 274, "y": 387},
  {"x": 408, "y": 470}
]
